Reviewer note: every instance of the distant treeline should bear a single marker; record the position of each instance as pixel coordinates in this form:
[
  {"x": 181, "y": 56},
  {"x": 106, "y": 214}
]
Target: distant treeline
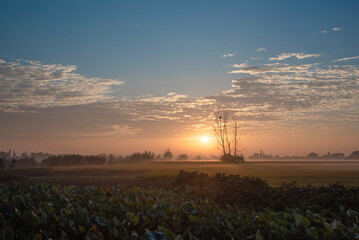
[
  {"x": 74, "y": 159},
  {"x": 9, "y": 160},
  {"x": 77, "y": 159},
  {"x": 312, "y": 155}
]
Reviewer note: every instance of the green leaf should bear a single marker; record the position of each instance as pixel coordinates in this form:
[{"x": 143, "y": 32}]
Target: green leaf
[
  {"x": 134, "y": 218},
  {"x": 43, "y": 217},
  {"x": 116, "y": 221},
  {"x": 155, "y": 235},
  {"x": 169, "y": 234},
  {"x": 178, "y": 237},
  {"x": 311, "y": 233},
  {"x": 209, "y": 223},
  {"x": 301, "y": 220},
  {"x": 194, "y": 219},
  {"x": 351, "y": 213},
  {"x": 259, "y": 235},
  {"x": 230, "y": 226},
  {"x": 8, "y": 233},
  {"x": 327, "y": 226},
  {"x": 191, "y": 237},
  {"x": 335, "y": 224},
  {"x": 38, "y": 236}
]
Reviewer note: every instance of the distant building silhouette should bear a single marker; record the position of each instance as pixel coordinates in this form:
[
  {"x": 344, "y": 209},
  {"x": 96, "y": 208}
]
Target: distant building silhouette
[
  {"x": 312, "y": 155},
  {"x": 261, "y": 155},
  {"x": 354, "y": 155},
  {"x": 333, "y": 156}
]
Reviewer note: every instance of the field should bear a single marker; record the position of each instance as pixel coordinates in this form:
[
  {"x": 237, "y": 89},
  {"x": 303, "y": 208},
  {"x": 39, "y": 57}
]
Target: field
[
  {"x": 92, "y": 202},
  {"x": 161, "y": 173}
]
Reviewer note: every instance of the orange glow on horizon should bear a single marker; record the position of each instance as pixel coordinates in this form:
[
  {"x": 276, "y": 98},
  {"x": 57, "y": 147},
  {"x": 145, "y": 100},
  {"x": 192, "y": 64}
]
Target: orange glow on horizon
[{"x": 204, "y": 139}]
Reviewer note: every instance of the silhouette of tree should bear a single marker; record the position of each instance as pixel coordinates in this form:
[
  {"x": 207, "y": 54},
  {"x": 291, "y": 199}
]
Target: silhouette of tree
[
  {"x": 220, "y": 126},
  {"x": 226, "y": 127},
  {"x": 182, "y": 157},
  {"x": 167, "y": 155}
]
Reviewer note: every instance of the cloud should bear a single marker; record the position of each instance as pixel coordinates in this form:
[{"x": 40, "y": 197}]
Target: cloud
[
  {"x": 275, "y": 97},
  {"x": 297, "y": 55},
  {"x": 270, "y": 68},
  {"x": 292, "y": 97},
  {"x": 261, "y": 50},
  {"x": 282, "y": 87},
  {"x": 227, "y": 55},
  {"x": 34, "y": 84},
  {"x": 256, "y": 58},
  {"x": 336, "y": 29},
  {"x": 323, "y": 32},
  {"x": 345, "y": 59}
]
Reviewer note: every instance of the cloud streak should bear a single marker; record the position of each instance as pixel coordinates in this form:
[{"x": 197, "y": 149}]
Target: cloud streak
[
  {"x": 261, "y": 50},
  {"x": 227, "y": 55},
  {"x": 300, "y": 55},
  {"x": 336, "y": 29},
  {"x": 345, "y": 59}
]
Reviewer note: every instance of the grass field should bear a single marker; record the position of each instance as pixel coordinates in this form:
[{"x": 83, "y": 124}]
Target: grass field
[{"x": 161, "y": 173}]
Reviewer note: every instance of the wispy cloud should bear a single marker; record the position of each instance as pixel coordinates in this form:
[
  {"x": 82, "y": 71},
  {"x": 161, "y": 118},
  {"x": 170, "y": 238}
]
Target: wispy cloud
[
  {"x": 261, "y": 50},
  {"x": 295, "y": 94},
  {"x": 227, "y": 55},
  {"x": 270, "y": 68},
  {"x": 345, "y": 59},
  {"x": 300, "y": 55},
  {"x": 336, "y": 29},
  {"x": 34, "y": 84},
  {"x": 285, "y": 95},
  {"x": 324, "y": 32}
]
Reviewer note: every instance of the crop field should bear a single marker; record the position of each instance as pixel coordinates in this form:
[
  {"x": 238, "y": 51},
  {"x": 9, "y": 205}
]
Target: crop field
[
  {"x": 196, "y": 207},
  {"x": 128, "y": 201},
  {"x": 159, "y": 173}
]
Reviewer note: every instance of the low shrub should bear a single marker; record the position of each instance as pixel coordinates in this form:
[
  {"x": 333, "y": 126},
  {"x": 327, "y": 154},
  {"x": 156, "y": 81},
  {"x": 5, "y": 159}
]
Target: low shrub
[
  {"x": 255, "y": 193},
  {"x": 229, "y": 158}
]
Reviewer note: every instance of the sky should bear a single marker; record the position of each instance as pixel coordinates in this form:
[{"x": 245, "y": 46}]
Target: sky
[{"x": 122, "y": 76}]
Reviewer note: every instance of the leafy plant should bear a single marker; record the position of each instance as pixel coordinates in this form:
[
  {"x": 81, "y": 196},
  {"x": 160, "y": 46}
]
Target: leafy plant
[{"x": 40, "y": 211}]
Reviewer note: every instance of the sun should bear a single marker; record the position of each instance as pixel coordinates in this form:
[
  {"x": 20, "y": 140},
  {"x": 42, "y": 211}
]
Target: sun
[{"x": 204, "y": 139}]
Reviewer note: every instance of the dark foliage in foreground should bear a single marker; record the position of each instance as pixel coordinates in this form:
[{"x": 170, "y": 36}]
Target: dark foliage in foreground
[
  {"x": 72, "y": 212},
  {"x": 255, "y": 193}
]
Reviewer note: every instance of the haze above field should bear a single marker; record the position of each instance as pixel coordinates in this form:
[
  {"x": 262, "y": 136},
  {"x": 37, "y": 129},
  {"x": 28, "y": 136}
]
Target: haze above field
[{"x": 118, "y": 77}]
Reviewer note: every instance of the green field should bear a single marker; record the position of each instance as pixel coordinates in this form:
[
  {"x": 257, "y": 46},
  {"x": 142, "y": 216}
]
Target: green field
[
  {"x": 191, "y": 206},
  {"x": 160, "y": 173}
]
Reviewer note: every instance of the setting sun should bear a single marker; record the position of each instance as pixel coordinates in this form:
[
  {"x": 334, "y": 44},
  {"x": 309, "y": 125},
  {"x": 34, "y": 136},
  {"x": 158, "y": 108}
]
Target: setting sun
[{"x": 204, "y": 139}]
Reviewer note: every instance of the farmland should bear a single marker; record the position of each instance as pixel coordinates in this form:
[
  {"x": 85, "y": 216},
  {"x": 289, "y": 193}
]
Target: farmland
[
  {"x": 159, "y": 173},
  {"x": 156, "y": 200}
]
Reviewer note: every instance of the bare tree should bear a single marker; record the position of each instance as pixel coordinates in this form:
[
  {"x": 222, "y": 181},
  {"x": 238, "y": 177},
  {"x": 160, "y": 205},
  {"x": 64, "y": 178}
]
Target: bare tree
[
  {"x": 226, "y": 131},
  {"x": 235, "y": 138},
  {"x": 220, "y": 129}
]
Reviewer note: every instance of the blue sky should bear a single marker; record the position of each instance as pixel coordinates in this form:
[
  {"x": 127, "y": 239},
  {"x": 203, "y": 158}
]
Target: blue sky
[
  {"x": 136, "y": 69},
  {"x": 163, "y": 46}
]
